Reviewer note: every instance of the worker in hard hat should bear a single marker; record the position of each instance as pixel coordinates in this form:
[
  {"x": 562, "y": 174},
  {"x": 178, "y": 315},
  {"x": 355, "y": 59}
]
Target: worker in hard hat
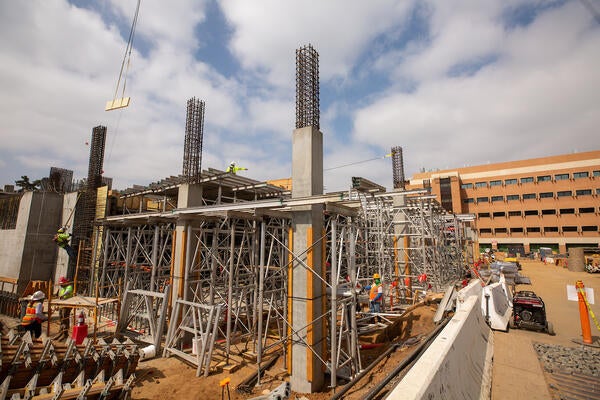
[
  {"x": 375, "y": 294},
  {"x": 62, "y": 238},
  {"x": 65, "y": 292},
  {"x": 234, "y": 168},
  {"x": 34, "y": 314}
]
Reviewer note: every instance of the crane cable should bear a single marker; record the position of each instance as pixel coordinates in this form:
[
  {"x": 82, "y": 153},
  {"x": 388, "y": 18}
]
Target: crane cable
[
  {"x": 358, "y": 162},
  {"x": 127, "y": 56}
]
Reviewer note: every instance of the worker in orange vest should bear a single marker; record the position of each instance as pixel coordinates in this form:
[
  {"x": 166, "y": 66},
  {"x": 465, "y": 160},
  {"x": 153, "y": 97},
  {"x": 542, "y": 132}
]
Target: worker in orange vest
[
  {"x": 375, "y": 294},
  {"x": 34, "y": 314}
]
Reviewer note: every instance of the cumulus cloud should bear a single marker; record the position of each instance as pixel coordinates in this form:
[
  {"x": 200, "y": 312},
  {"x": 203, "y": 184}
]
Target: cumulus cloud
[{"x": 452, "y": 83}]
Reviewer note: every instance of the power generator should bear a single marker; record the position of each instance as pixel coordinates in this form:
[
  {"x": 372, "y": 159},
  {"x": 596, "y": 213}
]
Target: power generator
[{"x": 529, "y": 312}]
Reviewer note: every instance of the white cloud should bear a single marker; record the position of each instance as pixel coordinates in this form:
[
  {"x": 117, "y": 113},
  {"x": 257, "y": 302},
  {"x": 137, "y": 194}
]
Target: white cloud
[{"x": 537, "y": 95}]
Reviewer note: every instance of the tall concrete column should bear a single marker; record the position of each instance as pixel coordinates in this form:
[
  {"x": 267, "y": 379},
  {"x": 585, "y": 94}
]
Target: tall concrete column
[
  {"x": 306, "y": 290},
  {"x": 188, "y": 196}
]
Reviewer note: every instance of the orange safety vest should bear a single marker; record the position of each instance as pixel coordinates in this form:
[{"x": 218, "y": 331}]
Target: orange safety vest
[
  {"x": 373, "y": 292},
  {"x": 30, "y": 315}
]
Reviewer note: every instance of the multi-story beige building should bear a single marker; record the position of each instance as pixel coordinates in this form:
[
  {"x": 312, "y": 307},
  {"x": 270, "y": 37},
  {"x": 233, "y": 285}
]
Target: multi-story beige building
[{"x": 542, "y": 202}]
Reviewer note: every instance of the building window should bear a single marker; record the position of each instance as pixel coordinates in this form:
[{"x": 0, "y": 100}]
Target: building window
[
  {"x": 551, "y": 229},
  {"x": 446, "y": 194},
  {"x": 466, "y": 186},
  {"x": 596, "y": 173},
  {"x": 512, "y": 197},
  {"x": 480, "y": 184},
  {"x": 589, "y": 228},
  {"x": 567, "y": 211},
  {"x": 495, "y": 183},
  {"x": 468, "y": 201},
  {"x": 531, "y": 229},
  {"x": 586, "y": 210},
  {"x": 583, "y": 192},
  {"x": 598, "y": 191},
  {"x": 485, "y": 230},
  {"x": 500, "y": 230},
  {"x": 499, "y": 214},
  {"x": 577, "y": 175},
  {"x": 546, "y": 178},
  {"x": 546, "y": 195},
  {"x": 529, "y": 196},
  {"x": 483, "y": 199},
  {"x": 564, "y": 193},
  {"x": 516, "y": 230},
  {"x": 561, "y": 177},
  {"x": 549, "y": 212},
  {"x": 483, "y": 215},
  {"x": 510, "y": 181},
  {"x": 569, "y": 229},
  {"x": 528, "y": 179},
  {"x": 514, "y": 213},
  {"x": 531, "y": 212},
  {"x": 497, "y": 198}
]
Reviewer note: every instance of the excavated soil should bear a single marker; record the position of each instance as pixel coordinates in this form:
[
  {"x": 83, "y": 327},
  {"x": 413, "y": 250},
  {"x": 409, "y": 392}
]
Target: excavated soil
[{"x": 171, "y": 378}]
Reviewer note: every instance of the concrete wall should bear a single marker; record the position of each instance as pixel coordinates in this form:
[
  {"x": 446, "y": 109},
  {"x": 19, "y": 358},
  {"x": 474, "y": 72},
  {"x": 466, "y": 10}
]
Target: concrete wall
[
  {"x": 12, "y": 240},
  {"x": 39, "y": 253},
  {"x": 458, "y": 364}
]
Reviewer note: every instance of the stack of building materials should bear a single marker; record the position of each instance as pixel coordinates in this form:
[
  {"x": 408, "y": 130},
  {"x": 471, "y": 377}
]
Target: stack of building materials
[
  {"x": 510, "y": 271},
  {"x": 64, "y": 370}
]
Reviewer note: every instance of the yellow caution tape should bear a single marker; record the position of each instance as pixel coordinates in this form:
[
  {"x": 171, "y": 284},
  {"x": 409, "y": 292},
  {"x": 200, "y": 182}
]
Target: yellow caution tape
[{"x": 589, "y": 308}]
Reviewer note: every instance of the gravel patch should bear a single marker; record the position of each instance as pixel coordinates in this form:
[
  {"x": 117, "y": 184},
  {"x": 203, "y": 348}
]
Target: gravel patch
[{"x": 570, "y": 360}]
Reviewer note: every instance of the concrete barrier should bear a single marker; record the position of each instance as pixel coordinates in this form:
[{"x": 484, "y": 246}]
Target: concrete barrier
[
  {"x": 496, "y": 303},
  {"x": 458, "y": 364}
]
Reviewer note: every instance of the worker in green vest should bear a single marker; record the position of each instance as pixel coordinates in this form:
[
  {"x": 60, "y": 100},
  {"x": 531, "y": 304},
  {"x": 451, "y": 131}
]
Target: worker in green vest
[
  {"x": 65, "y": 292},
  {"x": 234, "y": 168},
  {"x": 62, "y": 238}
]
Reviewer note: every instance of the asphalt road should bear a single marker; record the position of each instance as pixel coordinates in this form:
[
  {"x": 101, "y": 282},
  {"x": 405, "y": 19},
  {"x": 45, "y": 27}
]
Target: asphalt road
[{"x": 517, "y": 373}]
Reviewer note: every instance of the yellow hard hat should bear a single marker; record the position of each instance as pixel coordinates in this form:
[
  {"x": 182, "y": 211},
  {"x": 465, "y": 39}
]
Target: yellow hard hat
[{"x": 376, "y": 276}]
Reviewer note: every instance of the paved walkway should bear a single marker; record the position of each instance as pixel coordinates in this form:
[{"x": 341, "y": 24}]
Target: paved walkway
[{"x": 517, "y": 373}]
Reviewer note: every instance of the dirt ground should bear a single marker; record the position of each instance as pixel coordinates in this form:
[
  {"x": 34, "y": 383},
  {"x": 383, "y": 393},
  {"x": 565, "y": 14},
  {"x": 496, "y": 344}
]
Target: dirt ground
[
  {"x": 517, "y": 373},
  {"x": 171, "y": 378}
]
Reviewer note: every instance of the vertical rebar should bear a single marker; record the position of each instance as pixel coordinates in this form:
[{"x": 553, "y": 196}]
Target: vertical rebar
[
  {"x": 397, "y": 167},
  {"x": 194, "y": 131},
  {"x": 307, "y": 87}
]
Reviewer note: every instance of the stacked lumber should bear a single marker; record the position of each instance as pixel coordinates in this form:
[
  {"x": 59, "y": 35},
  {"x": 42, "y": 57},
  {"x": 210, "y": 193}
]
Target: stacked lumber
[{"x": 55, "y": 370}]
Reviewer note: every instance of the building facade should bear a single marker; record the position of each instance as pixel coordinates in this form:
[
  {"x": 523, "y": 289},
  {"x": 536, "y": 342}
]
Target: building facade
[{"x": 543, "y": 202}]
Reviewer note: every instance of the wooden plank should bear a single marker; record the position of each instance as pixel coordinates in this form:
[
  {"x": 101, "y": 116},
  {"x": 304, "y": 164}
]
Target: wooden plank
[{"x": 117, "y": 103}]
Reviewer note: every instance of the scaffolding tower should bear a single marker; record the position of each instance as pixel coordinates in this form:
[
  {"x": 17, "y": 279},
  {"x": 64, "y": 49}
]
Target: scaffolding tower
[{"x": 238, "y": 261}]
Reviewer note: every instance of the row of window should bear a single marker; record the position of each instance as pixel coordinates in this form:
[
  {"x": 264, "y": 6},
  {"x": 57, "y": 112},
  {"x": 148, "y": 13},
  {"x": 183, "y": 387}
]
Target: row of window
[
  {"x": 537, "y": 229},
  {"x": 530, "y": 179},
  {"x": 531, "y": 196},
  {"x": 526, "y": 213}
]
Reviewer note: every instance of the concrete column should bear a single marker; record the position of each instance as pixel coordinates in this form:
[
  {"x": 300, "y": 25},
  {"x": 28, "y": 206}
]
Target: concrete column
[
  {"x": 306, "y": 287},
  {"x": 188, "y": 196}
]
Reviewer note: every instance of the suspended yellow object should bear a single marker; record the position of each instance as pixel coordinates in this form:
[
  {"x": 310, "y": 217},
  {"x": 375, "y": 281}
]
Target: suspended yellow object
[
  {"x": 117, "y": 103},
  {"x": 124, "y": 101}
]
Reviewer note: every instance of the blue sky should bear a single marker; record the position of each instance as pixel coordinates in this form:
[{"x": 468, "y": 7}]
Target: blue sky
[{"x": 454, "y": 83}]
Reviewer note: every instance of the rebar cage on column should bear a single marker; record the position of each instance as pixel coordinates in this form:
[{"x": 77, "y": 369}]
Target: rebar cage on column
[
  {"x": 194, "y": 132},
  {"x": 307, "y": 87},
  {"x": 397, "y": 168}
]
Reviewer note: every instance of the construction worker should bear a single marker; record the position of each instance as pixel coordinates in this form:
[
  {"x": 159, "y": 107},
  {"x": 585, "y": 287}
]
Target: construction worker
[
  {"x": 65, "y": 292},
  {"x": 34, "y": 314},
  {"x": 62, "y": 238},
  {"x": 234, "y": 168},
  {"x": 375, "y": 294}
]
